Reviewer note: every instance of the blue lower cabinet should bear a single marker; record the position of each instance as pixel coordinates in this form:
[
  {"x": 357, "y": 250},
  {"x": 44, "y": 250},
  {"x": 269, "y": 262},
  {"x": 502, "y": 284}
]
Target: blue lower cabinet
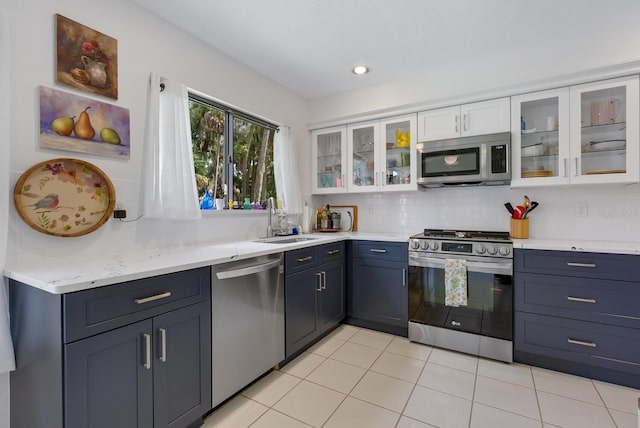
[
  {"x": 107, "y": 384},
  {"x": 314, "y": 294},
  {"x": 150, "y": 369},
  {"x": 378, "y": 291},
  {"x": 578, "y": 313}
]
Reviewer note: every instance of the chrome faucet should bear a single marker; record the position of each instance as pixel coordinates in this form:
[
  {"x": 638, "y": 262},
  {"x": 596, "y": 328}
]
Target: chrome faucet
[{"x": 272, "y": 211}]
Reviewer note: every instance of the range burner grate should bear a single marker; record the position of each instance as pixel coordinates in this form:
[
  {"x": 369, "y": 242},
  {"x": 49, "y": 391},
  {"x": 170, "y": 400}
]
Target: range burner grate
[{"x": 465, "y": 234}]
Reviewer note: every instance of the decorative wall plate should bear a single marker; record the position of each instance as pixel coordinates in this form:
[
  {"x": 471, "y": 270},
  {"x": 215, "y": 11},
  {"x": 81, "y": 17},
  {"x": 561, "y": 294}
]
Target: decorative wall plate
[{"x": 64, "y": 197}]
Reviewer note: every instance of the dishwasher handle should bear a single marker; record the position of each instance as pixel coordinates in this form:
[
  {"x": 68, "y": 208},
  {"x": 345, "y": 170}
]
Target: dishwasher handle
[{"x": 249, "y": 270}]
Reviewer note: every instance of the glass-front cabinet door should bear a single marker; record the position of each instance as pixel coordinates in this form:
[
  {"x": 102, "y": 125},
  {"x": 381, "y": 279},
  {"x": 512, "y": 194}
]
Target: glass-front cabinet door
[
  {"x": 382, "y": 155},
  {"x": 604, "y": 132},
  {"x": 577, "y": 135},
  {"x": 363, "y": 140},
  {"x": 328, "y": 160},
  {"x": 540, "y": 138},
  {"x": 398, "y": 153}
]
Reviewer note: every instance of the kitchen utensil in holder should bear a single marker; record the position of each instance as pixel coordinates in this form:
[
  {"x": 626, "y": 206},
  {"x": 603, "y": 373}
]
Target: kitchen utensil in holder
[{"x": 519, "y": 228}]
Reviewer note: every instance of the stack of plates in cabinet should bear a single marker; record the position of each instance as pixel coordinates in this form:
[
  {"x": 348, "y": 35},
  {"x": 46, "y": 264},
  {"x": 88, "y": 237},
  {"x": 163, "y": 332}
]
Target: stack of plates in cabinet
[{"x": 537, "y": 173}]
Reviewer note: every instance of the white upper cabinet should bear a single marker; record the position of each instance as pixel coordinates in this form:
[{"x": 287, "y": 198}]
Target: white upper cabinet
[
  {"x": 329, "y": 158},
  {"x": 486, "y": 117},
  {"x": 580, "y": 134},
  {"x": 374, "y": 156},
  {"x": 382, "y": 155}
]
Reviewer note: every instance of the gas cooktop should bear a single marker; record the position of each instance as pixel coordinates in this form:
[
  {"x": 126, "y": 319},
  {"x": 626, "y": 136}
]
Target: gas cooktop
[
  {"x": 462, "y": 242},
  {"x": 452, "y": 234}
]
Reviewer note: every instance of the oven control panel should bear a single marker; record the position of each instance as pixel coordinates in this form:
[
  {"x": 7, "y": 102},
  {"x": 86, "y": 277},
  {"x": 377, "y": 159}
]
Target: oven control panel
[{"x": 486, "y": 249}]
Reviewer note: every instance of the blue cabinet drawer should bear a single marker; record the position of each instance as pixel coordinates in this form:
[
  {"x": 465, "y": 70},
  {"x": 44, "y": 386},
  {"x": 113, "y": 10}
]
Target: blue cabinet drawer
[
  {"x": 598, "y": 300},
  {"x": 102, "y": 309},
  {"x": 623, "y": 267},
  {"x": 381, "y": 250},
  {"x": 299, "y": 260},
  {"x": 606, "y": 346},
  {"x": 331, "y": 252}
]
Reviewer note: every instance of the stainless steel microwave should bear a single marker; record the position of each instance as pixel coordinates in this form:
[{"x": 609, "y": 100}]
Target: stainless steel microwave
[{"x": 477, "y": 160}]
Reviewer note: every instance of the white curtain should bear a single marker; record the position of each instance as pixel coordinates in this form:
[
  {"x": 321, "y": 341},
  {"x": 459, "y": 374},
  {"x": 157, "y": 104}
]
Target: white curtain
[
  {"x": 7, "y": 361},
  {"x": 286, "y": 171},
  {"x": 168, "y": 182}
]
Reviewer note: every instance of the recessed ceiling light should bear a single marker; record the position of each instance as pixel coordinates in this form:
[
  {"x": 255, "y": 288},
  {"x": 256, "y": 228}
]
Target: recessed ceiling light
[{"x": 360, "y": 69}]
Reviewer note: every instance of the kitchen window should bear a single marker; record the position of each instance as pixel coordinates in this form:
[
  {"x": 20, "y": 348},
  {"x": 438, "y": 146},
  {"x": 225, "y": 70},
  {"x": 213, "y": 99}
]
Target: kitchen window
[{"x": 232, "y": 152}]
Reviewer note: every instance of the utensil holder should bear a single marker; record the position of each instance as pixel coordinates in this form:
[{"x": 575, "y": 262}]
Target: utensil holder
[{"x": 519, "y": 228}]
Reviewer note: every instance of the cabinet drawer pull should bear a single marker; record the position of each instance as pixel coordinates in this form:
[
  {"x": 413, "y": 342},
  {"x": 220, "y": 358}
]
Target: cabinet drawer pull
[
  {"x": 152, "y": 298},
  {"x": 581, "y": 343},
  {"x": 581, "y": 299},
  {"x": 163, "y": 345},
  {"x": 147, "y": 351},
  {"x": 319, "y": 277},
  {"x": 332, "y": 252},
  {"x": 376, "y": 250},
  {"x": 584, "y": 265},
  {"x": 304, "y": 259}
]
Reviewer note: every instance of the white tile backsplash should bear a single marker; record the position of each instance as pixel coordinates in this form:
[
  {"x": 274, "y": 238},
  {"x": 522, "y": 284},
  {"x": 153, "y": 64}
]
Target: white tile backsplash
[{"x": 613, "y": 210}]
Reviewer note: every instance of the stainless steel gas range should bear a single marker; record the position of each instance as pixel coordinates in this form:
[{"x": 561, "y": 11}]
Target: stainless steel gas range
[{"x": 461, "y": 291}]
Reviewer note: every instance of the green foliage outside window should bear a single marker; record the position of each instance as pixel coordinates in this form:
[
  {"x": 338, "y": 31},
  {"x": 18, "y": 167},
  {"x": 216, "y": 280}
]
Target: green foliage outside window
[{"x": 251, "y": 151}]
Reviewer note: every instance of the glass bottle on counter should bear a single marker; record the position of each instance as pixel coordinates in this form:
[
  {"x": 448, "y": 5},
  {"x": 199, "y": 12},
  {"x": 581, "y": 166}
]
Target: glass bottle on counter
[
  {"x": 324, "y": 222},
  {"x": 319, "y": 219},
  {"x": 329, "y": 221}
]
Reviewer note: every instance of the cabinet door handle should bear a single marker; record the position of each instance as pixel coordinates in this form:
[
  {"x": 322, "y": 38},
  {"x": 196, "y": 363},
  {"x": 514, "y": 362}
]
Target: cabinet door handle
[
  {"x": 584, "y": 265},
  {"x": 324, "y": 280},
  {"x": 332, "y": 252},
  {"x": 319, "y": 277},
  {"x": 404, "y": 277},
  {"x": 465, "y": 122},
  {"x": 152, "y": 298},
  {"x": 581, "y": 343},
  {"x": 581, "y": 299},
  {"x": 376, "y": 250},
  {"x": 564, "y": 165},
  {"x": 147, "y": 351},
  {"x": 342, "y": 183},
  {"x": 457, "y": 123},
  {"x": 576, "y": 174},
  {"x": 304, "y": 259},
  {"x": 163, "y": 344}
]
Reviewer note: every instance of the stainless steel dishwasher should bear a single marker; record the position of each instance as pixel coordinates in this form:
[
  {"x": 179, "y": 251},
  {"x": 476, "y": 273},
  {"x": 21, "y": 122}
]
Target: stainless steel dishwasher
[{"x": 247, "y": 322}]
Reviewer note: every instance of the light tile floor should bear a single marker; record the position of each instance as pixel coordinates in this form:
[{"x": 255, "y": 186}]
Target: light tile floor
[{"x": 362, "y": 378}]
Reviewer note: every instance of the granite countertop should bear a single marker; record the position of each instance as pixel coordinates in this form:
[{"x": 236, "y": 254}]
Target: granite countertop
[
  {"x": 612, "y": 247},
  {"x": 58, "y": 279}
]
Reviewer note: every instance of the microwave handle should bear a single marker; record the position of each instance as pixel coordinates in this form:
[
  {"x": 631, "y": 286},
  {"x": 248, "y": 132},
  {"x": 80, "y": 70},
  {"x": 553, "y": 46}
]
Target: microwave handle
[{"x": 498, "y": 268}]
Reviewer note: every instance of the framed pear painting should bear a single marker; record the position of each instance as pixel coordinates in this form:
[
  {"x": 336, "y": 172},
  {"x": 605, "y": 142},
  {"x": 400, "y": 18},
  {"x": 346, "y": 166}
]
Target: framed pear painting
[
  {"x": 86, "y": 59},
  {"x": 78, "y": 124}
]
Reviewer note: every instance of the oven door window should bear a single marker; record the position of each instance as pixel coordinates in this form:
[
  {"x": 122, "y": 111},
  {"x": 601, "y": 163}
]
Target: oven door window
[
  {"x": 489, "y": 302},
  {"x": 451, "y": 162}
]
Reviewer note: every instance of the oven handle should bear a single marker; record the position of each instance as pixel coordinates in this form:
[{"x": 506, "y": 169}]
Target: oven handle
[{"x": 499, "y": 268}]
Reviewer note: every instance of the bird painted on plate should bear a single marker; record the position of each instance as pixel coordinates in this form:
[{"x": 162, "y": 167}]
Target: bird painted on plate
[{"x": 49, "y": 202}]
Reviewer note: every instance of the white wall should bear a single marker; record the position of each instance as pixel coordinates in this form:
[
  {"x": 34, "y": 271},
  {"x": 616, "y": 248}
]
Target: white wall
[
  {"x": 145, "y": 43},
  {"x": 613, "y": 210}
]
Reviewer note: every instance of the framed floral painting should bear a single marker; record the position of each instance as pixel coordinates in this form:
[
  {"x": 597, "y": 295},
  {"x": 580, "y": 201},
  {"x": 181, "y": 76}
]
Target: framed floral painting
[
  {"x": 86, "y": 59},
  {"x": 79, "y": 124}
]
